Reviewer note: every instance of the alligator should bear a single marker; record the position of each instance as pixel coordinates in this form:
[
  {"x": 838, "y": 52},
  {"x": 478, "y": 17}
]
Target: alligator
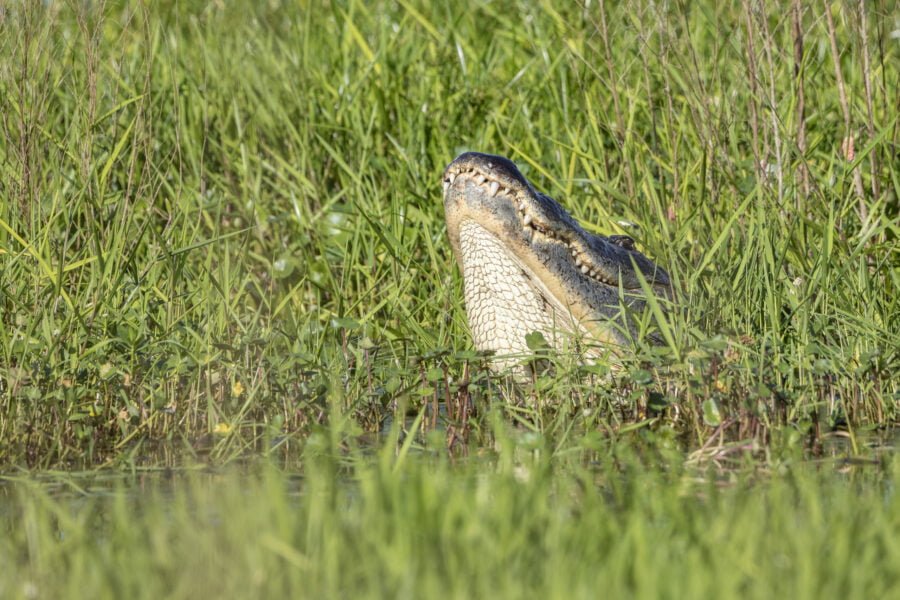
[{"x": 528, "y": 266}]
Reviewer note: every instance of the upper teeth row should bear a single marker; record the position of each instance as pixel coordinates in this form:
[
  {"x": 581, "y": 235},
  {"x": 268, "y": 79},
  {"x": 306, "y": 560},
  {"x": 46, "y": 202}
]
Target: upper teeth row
[
  {"x": 480, "y": 178},
  {"x": 587, "y": 270},
  {"x": 529, "y": 226}
]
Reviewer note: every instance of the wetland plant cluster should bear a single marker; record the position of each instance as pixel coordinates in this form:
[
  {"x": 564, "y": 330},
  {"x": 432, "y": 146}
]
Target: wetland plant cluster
[
  {"x": 215, "y": 215},
  {"x": 221, "y": 237}
]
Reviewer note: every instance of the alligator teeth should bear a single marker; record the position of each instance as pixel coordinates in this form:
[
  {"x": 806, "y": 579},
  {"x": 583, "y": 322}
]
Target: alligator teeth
[
  {"x": 451, "y": 177},
  {"x": 577, "y": 262},
  {"x": 446, "y": 185},
  {"x": 593, "y": 273},
  {"x": 527, "y": 219},
  {"x": 495, "y": 187},
  {"x": 522, "y": 206},
  {"x": 584, "y": 269},
  {"x": 479, "y": 179}
]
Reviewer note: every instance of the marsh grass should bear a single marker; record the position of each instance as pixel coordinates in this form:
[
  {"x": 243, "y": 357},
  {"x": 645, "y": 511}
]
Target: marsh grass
[
  {"x": 217, "y": 216},
  {"x": 525, "y": 522}
]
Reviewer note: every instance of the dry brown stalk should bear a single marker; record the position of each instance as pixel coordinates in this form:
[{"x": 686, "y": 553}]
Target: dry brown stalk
[
  {"x": 845, "y": 107},
  {"x": 754, "y": 95},
  {"x": 773, "y": 102},
  {"x": 802, "y": 171},
  {"x": 867, "y": 80}
]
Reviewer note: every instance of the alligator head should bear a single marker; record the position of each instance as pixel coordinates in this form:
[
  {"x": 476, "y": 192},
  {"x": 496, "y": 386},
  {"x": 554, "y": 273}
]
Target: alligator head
[{"x": 528, "y": 266}]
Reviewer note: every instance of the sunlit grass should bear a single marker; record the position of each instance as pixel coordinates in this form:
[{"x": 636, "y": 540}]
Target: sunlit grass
[
  {"x": 222, "y": 244},
  {"x": 216, "y": 215}
]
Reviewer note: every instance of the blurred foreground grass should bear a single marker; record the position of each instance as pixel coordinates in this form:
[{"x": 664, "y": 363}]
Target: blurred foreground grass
[
  {"x": 216, "y": 215},
  {"x": 525, "y": 524}
]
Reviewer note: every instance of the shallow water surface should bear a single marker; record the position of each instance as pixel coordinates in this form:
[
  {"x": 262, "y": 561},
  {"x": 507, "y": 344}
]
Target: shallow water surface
[{"x": 520, "y": 522}]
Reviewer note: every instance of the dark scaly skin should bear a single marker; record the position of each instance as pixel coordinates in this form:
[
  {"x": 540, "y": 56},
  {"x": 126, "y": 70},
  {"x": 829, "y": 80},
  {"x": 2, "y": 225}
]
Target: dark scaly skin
[{"x": 529, "y": 266}]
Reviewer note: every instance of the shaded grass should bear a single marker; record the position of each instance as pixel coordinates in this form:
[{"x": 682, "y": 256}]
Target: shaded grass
[{"x": 208, "y": 211}]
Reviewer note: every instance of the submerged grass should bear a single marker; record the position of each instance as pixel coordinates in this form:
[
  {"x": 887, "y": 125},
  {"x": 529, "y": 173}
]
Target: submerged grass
[{"x": 215, "y": 216}]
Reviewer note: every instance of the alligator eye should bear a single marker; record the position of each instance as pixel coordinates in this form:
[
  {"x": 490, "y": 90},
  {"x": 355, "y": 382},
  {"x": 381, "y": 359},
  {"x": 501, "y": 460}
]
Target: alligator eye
[{"x": 622, "y": 240}]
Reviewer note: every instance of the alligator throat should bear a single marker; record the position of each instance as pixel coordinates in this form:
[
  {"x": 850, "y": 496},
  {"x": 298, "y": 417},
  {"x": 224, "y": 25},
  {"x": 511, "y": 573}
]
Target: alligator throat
[
  {"x": 499, "y": 291},
  {"x": 528, "y": 266}
]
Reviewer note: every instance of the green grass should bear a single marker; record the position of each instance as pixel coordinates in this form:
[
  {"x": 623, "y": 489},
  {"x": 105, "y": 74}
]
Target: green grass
[
  {"x": 222, "y": 243},
  {"x": 526, "y": 523},
  {"x": 208, "y": 211}
]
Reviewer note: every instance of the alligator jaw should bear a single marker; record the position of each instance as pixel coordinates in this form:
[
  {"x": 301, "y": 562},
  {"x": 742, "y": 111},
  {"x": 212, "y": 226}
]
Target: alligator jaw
[{"x": 529, "y": 266}]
